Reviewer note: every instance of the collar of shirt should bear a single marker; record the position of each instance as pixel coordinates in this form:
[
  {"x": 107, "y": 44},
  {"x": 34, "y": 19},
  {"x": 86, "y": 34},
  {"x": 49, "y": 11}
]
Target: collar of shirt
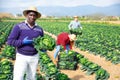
[{"x": 29, "y": 24}]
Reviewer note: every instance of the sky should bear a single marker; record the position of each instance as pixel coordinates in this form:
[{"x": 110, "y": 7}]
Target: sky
[
  {"x": 6, "y": 5},
  {"x": 67, "y": 3}
]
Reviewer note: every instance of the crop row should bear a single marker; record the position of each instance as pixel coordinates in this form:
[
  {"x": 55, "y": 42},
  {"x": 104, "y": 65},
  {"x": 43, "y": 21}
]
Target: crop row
[
  {"x": 97, "y": 38},
  {"x": 100, "y": 39},
  {"x": 5, "y": 29}
]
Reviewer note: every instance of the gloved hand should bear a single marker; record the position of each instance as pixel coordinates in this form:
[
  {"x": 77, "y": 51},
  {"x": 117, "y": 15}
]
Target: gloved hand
[{"x": 27, "y": 41}]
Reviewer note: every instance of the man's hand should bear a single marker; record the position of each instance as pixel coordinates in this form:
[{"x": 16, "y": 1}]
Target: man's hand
[{"x": 27, "y": 41}]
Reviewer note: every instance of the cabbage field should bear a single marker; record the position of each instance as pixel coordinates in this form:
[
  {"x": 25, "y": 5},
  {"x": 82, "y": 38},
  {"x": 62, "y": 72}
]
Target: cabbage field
[{"x": 95, "y": 55}]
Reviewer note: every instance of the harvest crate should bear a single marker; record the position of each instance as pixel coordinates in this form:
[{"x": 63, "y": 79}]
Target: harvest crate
[{"x": 67, "y": 60}]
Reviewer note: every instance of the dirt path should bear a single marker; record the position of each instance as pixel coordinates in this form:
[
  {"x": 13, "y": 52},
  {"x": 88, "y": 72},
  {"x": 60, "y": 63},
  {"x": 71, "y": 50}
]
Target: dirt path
[
  {"x": 78, "y": 74},
  {"x": 114, "y": 22},
  {"x": 114, "y": 70},
  {"x": 99, "y": 21},
  {"x": 74, "y": 74}
]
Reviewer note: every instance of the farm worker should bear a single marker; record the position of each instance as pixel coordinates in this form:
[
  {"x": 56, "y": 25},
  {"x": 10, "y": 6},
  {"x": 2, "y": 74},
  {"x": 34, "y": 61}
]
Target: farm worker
[
  {"x": 21, "y": 37},
  {"x": 75, "y": 25},
  {"x": 64, "y": 39}
]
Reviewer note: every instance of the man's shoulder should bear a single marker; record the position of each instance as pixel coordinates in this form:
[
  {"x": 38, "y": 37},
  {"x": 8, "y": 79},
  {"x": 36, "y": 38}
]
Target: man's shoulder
[
  {"x": 38, "y": 28},
  {"x": 20, "y": 23}
]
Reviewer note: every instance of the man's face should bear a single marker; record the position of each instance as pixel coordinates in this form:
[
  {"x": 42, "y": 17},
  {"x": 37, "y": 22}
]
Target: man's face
[
  {"x": 31, "y": 17},
  {"x": 76, "y": 18}
]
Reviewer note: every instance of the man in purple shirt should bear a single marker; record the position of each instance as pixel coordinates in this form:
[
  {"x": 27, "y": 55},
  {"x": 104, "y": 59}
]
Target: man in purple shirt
[{"x": 21, "y": 37}]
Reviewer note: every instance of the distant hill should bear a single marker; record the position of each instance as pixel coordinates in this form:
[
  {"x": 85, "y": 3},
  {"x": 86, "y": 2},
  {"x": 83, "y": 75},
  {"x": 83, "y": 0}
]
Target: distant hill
[
  {"x": 112, "y": 10},
  {"x": 6, "y": 15}
]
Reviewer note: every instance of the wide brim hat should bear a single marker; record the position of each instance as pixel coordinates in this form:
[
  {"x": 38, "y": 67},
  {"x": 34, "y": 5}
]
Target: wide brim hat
[
  {"x": 72, "y": 37},
  {"x": 75, "y": 16},
  {"x": 33, "y": 9}
]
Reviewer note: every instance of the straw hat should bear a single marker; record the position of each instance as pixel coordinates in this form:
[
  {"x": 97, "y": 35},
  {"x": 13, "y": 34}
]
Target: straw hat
[
  {"x": 75, "y": 16},
  {"x": 34, "y": 9},
  {"x": 72, "y": 37}
]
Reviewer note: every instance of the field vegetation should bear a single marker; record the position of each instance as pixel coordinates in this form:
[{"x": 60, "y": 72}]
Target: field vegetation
[{"x": 98, "y": 50}]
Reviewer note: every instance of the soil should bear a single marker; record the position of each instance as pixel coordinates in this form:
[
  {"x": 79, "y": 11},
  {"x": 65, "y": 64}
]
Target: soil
[
  {"x": 113, "y": 70},
  {"x": 114, "y": 22},
  {"x": 110, "y": 22}
]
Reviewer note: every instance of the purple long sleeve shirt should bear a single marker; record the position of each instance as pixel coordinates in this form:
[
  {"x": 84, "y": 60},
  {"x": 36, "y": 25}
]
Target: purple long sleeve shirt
[{"x": 19, "y": 32}]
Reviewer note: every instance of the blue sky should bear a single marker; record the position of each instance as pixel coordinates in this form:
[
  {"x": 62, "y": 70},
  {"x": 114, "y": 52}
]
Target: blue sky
[
  {"x": 68, "y": 3},
  {"x": 6, "y": 5}
]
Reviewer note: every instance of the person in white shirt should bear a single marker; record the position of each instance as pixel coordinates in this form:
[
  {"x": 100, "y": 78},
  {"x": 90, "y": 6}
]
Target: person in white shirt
[{"x": 75, "y": 26}]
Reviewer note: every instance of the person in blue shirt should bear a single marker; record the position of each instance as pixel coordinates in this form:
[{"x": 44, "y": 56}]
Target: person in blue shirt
[{"x": 75, "y": 26}]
